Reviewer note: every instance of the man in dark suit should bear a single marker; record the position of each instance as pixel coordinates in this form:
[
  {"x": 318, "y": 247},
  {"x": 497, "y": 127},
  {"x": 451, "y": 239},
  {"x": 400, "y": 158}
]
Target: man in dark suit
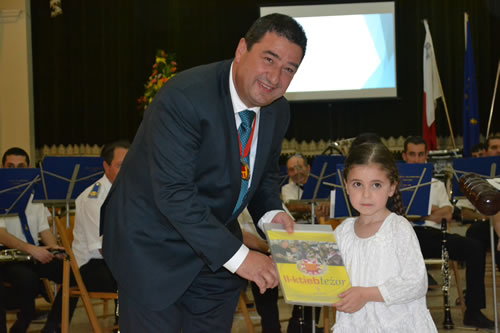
[{"x": 208, "y": 146}]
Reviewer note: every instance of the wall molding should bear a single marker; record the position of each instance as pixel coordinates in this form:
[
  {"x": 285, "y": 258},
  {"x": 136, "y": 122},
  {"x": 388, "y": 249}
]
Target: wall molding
[{"x": 9, "y": 15}]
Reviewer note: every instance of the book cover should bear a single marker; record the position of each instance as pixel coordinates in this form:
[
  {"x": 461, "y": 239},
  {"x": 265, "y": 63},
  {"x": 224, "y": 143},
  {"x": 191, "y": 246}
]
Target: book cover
[{"x": 309, "y": 264}]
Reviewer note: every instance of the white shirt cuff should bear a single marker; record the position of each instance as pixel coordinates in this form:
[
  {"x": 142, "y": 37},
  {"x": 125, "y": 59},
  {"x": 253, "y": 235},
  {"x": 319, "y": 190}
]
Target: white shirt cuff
[
  {"x": 235, "y": 262},
  {"x": 268, "y": 217}
]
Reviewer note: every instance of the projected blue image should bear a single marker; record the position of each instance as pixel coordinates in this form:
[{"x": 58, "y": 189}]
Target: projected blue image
[
  {"x": 347, "y": 52},
  {"x": 351, "y": 50}
]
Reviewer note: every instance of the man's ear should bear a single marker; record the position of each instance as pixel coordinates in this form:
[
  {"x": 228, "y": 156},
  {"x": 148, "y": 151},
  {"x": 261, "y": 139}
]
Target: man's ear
[{"x": 240, "y": 50}]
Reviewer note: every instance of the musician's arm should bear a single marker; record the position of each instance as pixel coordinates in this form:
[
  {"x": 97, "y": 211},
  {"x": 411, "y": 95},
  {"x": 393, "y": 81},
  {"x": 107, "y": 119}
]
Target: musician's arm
[
  {"x": 48, "y": 238},
  {"x": 255, "y": 243},
  {"x": 469, "y": 214},
  {"x": 440, "y": 213},
  {"x": 39, "y": 253}
]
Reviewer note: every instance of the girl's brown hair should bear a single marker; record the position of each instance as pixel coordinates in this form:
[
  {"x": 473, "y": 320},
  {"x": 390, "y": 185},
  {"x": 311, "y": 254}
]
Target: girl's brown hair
[{"x": 377, "y": 153}]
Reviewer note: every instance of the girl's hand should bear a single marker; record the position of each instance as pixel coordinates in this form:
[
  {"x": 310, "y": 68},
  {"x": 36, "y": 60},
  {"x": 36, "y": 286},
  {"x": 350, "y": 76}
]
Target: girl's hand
[{"x": 352, "y": 300}]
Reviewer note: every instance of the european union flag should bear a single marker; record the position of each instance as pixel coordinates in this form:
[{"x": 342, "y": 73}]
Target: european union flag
[{"x": 471, "y": 115}]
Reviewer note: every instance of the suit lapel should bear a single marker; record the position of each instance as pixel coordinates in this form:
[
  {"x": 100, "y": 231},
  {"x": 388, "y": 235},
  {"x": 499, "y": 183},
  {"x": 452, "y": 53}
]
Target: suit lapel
[{"x": 232, "y": 132}]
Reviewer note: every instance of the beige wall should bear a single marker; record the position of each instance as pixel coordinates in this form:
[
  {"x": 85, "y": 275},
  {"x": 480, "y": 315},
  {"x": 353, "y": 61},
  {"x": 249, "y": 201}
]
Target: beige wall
[{"x": 16, "y": 84}]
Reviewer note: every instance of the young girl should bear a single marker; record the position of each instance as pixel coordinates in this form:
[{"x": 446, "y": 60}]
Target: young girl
[{"x": 381, "y": 252}]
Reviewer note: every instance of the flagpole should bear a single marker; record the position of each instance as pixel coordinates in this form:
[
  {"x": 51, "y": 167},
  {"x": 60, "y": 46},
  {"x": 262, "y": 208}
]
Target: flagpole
[
  {"x": 446, "y": 111},
  {"x": 493, "y": 100}
]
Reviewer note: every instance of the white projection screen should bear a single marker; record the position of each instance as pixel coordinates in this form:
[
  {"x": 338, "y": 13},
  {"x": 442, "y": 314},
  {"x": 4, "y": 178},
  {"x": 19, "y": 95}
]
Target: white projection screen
[{"x": 350, "y": 54}]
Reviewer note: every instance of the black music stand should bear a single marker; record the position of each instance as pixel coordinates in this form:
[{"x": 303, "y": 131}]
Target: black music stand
[
  {"x": 414, "y": 178},
  {"x": 64, "y": 178}
]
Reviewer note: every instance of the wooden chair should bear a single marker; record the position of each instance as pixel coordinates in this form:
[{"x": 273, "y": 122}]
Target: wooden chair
[
  {"x": 334, "y": 223},
  {"x": 80, "y": 290},
  {"x": 242, "y": 307}
]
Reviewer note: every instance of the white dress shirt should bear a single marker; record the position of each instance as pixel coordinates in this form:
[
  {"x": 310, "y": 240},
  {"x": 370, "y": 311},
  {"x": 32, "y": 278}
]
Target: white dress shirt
[
  {"x": 235, "y": 262},
  {"x": 36, "y": 214}
]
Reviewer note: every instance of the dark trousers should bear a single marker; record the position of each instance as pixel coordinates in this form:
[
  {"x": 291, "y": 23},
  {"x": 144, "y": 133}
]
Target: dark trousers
[
  {"x": 481, "y": 232},
  {"x": 460, "y": 248},
  {"x": 25, "y": 280},
  {"x": 96, "y": 276},
  {"x": 208, "y": 305},
  {"x": 267, "y": 308}
]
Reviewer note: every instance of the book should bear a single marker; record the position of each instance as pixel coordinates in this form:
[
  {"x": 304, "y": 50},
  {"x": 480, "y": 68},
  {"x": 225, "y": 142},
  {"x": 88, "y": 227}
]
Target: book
[{"x": 309, "y": 264}]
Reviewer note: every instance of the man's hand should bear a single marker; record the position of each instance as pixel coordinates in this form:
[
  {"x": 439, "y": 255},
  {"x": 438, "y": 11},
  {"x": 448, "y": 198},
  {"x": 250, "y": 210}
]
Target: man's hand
[
  {"x": 41, "y": 253},
  {"x": 285, "y": 220},
  {"x": 260, "y": 269},
  {"x": 322, "y": 210}
]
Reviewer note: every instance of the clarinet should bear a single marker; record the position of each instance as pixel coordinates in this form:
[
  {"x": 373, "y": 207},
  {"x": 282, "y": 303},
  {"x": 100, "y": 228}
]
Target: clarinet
[{"x": 448, "y": 322}]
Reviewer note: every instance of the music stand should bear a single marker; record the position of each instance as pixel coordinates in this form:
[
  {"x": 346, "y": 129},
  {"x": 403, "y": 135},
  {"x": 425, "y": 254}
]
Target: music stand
[
  {"x": 64, "y": 178},
  {"x": 413, "y": 179},
  {"x": 480, "y": 165},
  {"x": 16, "y": 187}
]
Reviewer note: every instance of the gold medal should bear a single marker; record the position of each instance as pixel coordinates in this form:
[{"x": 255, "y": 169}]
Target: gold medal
[{"x": 245, "y": 170}]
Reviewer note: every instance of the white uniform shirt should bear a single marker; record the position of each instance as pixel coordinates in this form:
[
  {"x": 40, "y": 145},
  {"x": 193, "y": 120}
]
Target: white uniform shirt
[
  {"x": 291, "y": 191},
  {"x": 438, "y": 197},
  {"x": 86, "y": 239},
  {"x": 36, "y": 214}
]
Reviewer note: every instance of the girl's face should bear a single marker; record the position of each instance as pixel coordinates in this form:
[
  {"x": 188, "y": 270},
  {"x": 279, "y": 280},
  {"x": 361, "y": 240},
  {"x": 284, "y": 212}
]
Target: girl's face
[{"x": 369, "y": 188}]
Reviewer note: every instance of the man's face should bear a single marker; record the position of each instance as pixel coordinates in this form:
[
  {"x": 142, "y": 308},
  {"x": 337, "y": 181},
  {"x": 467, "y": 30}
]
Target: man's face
[
  {"x": 262, "y": 75},
  {"x": 493, "y": 148},
  {"x": 297, "y": 170},
  {"x": 15, "y": 161},
  {"x": 415, "y": 153},
  {"x": 112, "y": 170}
]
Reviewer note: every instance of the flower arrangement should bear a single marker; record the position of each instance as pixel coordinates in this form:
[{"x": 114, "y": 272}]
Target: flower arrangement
[{"x": 163, "y": 69}]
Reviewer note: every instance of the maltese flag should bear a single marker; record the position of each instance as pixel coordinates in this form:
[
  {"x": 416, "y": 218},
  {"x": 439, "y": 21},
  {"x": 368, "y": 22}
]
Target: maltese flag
[{"x": 432, "y": 91}]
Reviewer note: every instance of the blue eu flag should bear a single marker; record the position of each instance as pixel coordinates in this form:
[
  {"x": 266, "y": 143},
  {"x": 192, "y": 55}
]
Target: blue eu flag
[{"x": 471, "y": 115}]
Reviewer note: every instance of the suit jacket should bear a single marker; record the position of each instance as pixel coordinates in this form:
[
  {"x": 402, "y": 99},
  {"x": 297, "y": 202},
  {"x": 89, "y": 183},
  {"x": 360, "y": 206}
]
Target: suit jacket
[{"x": 169, "y": 211}]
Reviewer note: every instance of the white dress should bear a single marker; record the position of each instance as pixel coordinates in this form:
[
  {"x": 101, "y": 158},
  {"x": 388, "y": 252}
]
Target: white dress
[{"x": 392, "y": 261}]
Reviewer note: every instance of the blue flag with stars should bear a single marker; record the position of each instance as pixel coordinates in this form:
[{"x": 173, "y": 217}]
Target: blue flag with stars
[{"x": 471, "y": 113}]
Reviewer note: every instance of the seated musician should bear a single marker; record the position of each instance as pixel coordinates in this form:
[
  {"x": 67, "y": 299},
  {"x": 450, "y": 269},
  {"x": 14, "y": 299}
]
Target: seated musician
[
  {"x": 24, "y": 276},
  {"x": 86, "y": 240},
  {"x": 480, "y": 227},
  {"x": 459, "y": 248}
]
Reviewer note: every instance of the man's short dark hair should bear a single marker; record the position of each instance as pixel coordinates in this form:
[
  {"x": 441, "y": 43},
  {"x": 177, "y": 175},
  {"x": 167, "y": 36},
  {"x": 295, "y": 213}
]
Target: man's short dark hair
[
  {"x": 416, "y": 140},
  {"x": 16, "y": 151},
  {"x": 108, "y": 151},
  {"x": 282, "y": 25},
  {"x": 478, "y": 147},
  {"x": 494, "y": 137}
]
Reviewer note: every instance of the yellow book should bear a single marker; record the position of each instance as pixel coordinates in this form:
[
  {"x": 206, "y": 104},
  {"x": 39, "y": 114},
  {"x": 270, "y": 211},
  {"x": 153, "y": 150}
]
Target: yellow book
[{"x": 309, "y": 264}]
